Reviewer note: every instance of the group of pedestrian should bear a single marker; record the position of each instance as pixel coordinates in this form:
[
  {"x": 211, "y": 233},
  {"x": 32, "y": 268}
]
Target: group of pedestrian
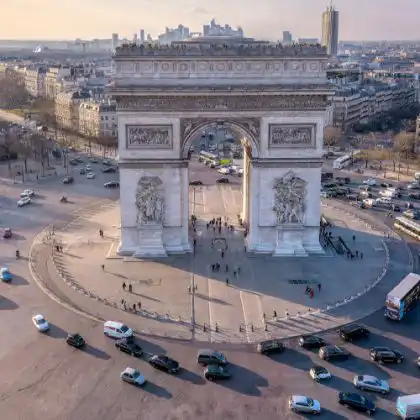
[
  {"x": 129, "y": 288},
  {"x": 356, "y": 255},
  {"x": 101, "y": 233},
  {"x": 310, "y": 291},
  {"x": 59, "y": 248},
  {"x": 215, "y": 268},
  {"x": 125, "y": 304}
]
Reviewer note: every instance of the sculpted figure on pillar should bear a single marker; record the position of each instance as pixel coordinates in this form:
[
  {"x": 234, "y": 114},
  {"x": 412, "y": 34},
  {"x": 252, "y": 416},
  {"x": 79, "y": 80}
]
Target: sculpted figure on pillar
[
  {"x": 149, "y": 201},
  {"x": 289, "y": 199}
]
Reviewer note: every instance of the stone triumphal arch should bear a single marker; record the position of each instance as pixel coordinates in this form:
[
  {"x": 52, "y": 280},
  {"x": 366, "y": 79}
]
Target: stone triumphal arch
[{"x": 274, "y": 96}]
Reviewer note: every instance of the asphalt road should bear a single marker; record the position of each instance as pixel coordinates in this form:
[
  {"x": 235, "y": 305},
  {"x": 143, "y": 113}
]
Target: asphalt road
[{"x": 43, "y": 378}]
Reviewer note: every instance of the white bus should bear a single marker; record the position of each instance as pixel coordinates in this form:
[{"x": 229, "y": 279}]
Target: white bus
[
  {"x": 402, "y": 297},
  {"x": 407, "y": 226},
  {"x": 344, "y": 161}
]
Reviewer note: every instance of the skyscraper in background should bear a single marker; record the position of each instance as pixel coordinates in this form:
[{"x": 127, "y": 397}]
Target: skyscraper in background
[
  {"x": 287, "y": 37},
  {"x": 142, "y": 39},
  {"x": 330, "y": 30},
  {"x": 114, "y": 43}
]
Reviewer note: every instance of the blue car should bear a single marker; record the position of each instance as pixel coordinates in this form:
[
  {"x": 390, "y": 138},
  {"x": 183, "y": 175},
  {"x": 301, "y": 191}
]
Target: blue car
[{"x": 5, "y": 275}]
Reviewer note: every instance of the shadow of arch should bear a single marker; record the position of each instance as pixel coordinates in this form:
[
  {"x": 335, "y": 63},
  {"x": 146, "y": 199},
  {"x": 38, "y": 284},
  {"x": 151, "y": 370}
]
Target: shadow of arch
[{"x": 248, "y": 129}]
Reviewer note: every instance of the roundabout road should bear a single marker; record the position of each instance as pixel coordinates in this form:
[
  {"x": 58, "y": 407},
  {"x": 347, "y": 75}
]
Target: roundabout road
[{"x": 43, "y": 378}]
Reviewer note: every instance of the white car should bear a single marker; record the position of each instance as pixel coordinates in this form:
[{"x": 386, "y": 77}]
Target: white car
[
  {"x": 371, "y": 383},
  {"x": 90, "y": 175},
  {"x": 88, "y": 168},
  {"x": 24, "y": 201},
  {"x": 40, "y": 323},
  {"x": 319, "y": 373},
  {"x": 132, "y": 376},
  {"x": 384, "y": 200},
  {"x": 27, "y": 193},
  {"x": 302, "y": 404},
  {"x": 371, "y": 182}
]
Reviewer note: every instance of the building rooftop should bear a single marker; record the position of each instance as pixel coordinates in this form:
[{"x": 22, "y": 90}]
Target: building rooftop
[{"x": 218, "y": 46}]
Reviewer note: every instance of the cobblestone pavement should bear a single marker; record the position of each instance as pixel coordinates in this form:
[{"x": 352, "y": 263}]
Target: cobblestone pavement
[{"x": 242, "y": 311}]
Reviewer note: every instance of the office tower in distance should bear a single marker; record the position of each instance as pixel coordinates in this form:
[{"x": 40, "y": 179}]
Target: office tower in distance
[
  {"x": 114, "y": 42},
  {"x": 287, "y": 37},
  {"x": 330, "y": 30},
  {"x": 142, "y": 38}
]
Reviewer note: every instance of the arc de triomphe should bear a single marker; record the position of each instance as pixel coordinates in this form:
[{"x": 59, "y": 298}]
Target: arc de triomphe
[{"x": 274, "y": 96}]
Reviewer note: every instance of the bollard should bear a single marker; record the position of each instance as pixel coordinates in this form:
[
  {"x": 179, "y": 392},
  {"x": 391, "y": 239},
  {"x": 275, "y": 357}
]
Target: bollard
[
  {"x": 252, "y": 327},
  {"x": 217, "y": 327},
  {"x": 204, "y": 327},
  {"x": 240, "y": 328},
  {"x": 265, "y": 327}
]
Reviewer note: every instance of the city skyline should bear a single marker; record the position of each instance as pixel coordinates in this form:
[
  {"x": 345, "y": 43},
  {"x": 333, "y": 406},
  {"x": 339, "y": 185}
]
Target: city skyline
[{"x": 379, "y": 20}]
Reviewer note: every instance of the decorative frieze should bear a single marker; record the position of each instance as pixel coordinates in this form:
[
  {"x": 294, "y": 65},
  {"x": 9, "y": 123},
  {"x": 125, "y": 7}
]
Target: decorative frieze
[
  {"x": 149, "y": 137},
  {"x": 150, "y": 201},
  {"x": 292, "y": 136},
  {"x": 222, "y": 103}
]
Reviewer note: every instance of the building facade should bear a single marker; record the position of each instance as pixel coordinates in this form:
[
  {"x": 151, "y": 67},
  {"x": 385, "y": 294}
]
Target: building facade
[
  {"x": 330, "y": 23},
  {"x": 52, "y": 79},
  {"x": 98, "y": 119},
  {"x": 35, "y": 81},
  {"x": 67, "y": 107}
]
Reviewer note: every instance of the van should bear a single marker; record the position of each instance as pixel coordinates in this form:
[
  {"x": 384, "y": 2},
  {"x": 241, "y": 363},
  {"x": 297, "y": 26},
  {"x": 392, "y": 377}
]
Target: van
[
  {"x": 270, "y": 346},
  {"x": 211, "y": 357},
  {"x": 408, "y": 406},
  {"x": 117, "y": 330}
]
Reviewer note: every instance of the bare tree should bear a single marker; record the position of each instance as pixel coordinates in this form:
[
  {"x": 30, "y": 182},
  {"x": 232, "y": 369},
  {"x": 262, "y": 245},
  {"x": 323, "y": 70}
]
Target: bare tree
[
  {"x": 12, "y": 91},
  {"x": 332, "y": 135},
  {"x": 106, "y": 142},
  {"x": 404, "y": 144}
]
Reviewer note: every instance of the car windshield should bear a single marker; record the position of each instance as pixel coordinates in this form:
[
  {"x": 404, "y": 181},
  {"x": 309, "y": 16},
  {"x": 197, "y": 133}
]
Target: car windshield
[
  {"x": 40, "y": 321},
  {"x": 136, "y": 374},
  {"x": 219, "y": 355},
  {"x": 124, "y": 328},
  {"x": 310, "y": 402}
]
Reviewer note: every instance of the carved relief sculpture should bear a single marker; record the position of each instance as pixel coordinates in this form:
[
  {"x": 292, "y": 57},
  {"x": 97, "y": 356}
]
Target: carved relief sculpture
[
  {"x": 149, "y": 136},
  {"x": 150, "y": 201},
  {"x": 290, "y": 135},
  {"x": 289, "y": 200}
]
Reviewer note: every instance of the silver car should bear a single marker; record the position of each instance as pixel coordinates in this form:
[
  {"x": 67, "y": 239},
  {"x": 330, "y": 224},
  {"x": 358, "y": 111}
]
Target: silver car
[
  {"x": 371, "y": 383},
  {"x": 303, "y": 404}
]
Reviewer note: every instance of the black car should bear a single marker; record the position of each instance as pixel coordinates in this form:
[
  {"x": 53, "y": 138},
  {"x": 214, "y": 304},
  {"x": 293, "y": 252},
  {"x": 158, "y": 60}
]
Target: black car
[
  {"x": 73, "y": 162},
  {"x": 68, "y": 180},
  {"x": 109, "y": 169},
  {"x": 385, "y": 355},
  {"x": 386, "y": 185},
  {"x": 129, "y": 347},
  {"x": 270, "y": 346},
  {"x": 75, "y": 340},
  {"x": 311, "y": 342},
  {"x": 414, "y": 196},
  {"x": 333, "y": 353},
  {"x": 223, "y": 181},
  {"x": 196, "y": 183},
  {"x": 395, "y": 207},
  {"x": 356, "y": 402},
  {"x": 353, "y": 332},
  {"x": 112, "y": 184},
  {"x": 164, "y": 363}
]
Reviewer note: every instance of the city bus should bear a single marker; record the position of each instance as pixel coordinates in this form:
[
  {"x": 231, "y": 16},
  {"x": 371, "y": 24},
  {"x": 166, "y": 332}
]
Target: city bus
[
  {"x": 410, "y": 227},
  {"x": 344, "y": 161},
  {"x": 207, "y": 157},
  {"x": 402, "y": 297}
]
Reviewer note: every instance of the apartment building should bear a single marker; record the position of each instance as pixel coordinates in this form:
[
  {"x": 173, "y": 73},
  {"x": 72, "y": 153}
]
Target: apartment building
[
  {"x": 98, "y": 119},
  {"x": 67, "y": 107},
  {"x": 35, "y": 81},
  {"x": 52, "y": 80}
]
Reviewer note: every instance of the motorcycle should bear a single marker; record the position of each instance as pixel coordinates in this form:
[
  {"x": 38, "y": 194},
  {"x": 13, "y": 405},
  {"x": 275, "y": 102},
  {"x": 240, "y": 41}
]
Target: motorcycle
[{"x": 63, "y": 199}]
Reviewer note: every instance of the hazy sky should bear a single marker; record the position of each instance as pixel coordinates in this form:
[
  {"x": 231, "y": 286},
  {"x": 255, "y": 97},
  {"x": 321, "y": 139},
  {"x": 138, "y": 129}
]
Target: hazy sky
[{"x": 70, "y": 19}]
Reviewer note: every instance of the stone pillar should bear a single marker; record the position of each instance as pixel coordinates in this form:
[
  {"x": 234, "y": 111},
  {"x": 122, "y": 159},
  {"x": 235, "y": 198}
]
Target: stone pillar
[{"x": 245, "y": 188}]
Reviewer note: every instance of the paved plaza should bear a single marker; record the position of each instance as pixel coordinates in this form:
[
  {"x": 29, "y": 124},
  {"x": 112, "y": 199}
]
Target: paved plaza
[{"x": 267, "y": 296}]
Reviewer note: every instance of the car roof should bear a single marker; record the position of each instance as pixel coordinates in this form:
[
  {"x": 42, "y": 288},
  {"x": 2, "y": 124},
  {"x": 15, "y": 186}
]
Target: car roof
[
  {"x": 206, "y": 352},
  {"x": 369, "y": 378},
  {"x": 351, "y": 327},
  {"x": 299, "y": 398},
  {"x": 130, "y": 370},
  {"x": 38, "y": 317}
]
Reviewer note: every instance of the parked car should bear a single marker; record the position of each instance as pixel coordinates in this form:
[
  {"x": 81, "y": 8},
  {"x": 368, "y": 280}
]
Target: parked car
[
  {"x": 333, "y": 353},
  {"x": 353, "y": 332},
  {"x": 413, "y": 186},
  {"x": 270, "y": 346},
  {"x": 371, "y": 182},
  {"x": 371, "y": 383},
  {"x": 385, "y": 355},
  {"x": 165, "y": 363},
  {"x": 311, "y": 342},
  {"x": 5, "y": 275},
  {"x": 23, "y": 201},
  {"x": 319, "y": 373},
  {"x": 112, "y": 184},
  {"x": 75, "y": 340},
  {"x": 109, "y": 169},
  {"x": 303, "y": 404},
  {"x": 40, "y": 323},
  {"x": 129, "y": 346},
  {"x": 196, "y": 183},
  {"x": 132, "y": 376},
  {"x": 356, "y": 402},
  {"x": 68, "y": 180},
  {"x": 215, "y": 372},
  {"x": 414, "y": 195},
  {"x": 223, "y": 181}
]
